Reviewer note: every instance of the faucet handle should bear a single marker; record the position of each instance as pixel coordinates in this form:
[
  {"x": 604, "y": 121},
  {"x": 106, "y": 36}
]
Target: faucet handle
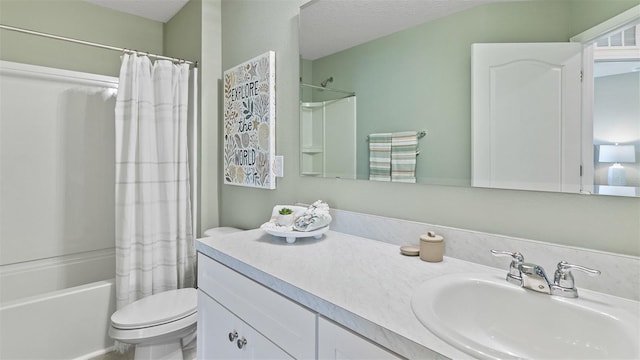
[
  {"x": 517, "y": 256},
  {"x": 563, "y": 274},
  {"x": 563, "y": 281},
  {"x": 514, "y": 276},
  {"x": 565, "y": 267}
]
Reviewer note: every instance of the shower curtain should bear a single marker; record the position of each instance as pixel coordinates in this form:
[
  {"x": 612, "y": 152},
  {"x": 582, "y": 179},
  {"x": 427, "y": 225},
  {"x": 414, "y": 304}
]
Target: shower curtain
[{"x": 155, "y": 248}]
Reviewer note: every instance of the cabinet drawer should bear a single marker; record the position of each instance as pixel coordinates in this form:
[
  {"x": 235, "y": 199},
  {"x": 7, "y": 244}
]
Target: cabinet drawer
[{"x": 286, "y": 323}]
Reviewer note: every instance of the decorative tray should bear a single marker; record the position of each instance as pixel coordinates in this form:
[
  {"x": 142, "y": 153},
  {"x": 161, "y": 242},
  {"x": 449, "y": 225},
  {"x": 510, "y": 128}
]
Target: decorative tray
[{"x": 289, "y": 234}]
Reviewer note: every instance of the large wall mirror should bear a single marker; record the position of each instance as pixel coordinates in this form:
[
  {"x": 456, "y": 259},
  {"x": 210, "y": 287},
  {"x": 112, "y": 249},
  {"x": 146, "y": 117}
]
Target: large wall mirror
[{"x": 423, "y": 91}]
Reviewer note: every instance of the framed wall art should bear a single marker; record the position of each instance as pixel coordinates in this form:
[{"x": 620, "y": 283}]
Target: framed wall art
[{"x": 249, "y": 123}]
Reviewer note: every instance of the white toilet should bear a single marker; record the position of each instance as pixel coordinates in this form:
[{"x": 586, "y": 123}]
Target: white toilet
[
  {"x": 157, "y": 325},
  {"x": 160, "y": 325}
]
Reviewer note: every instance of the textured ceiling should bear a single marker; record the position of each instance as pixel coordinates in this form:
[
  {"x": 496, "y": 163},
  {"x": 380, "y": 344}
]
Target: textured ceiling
[
  {"x": 159, "y": 10},
  {"x": 329, "y": 26}
]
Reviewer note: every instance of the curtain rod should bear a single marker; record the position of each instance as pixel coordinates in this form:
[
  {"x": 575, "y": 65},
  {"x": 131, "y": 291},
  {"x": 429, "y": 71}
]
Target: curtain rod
[{"x": 13, "y": 28}]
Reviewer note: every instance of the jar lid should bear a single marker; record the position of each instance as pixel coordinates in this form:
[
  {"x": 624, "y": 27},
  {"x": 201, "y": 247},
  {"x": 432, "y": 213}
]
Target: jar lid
[
  {"x": 431, "y": 237},
  {"x": 410, "y": 250}
]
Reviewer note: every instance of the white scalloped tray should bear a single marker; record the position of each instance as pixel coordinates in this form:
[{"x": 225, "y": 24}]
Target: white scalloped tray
[{"x": 291, "y": 235}]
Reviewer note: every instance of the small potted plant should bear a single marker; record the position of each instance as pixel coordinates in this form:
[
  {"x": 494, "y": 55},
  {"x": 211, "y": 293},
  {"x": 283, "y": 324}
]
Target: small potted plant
[{"x": 285, "y": 217}]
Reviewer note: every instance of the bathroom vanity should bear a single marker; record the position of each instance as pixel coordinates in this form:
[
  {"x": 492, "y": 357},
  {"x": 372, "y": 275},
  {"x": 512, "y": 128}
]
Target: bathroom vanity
[
  {"x": 351, "y": 294},
  {"x": 242, "y": 318},
  {"x": 260, "y": 297}
]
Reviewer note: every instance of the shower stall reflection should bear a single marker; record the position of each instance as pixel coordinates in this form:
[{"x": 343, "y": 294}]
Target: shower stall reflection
[{"x": 327, "y": 132}]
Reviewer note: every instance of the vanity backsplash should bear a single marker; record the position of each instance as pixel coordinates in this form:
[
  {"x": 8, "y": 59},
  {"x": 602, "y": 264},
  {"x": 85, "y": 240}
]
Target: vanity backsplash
[{"x": 620, "y": 273}]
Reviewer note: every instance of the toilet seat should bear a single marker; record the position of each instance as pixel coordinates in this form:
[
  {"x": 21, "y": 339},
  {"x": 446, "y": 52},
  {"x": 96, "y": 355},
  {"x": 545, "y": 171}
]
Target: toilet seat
[
  {"x": 157, "y": 325},
  {"x": 158, "y": 309}
]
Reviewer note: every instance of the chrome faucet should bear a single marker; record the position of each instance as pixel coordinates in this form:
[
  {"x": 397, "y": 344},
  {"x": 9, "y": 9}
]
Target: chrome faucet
[{"x": 533, "y": 277}]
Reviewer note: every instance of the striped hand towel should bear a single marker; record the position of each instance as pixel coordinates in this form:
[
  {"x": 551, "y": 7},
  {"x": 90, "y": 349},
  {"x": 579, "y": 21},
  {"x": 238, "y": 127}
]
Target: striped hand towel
[
  {"x": 404, "y": 147},
  {"x": 380, "y": 157}
]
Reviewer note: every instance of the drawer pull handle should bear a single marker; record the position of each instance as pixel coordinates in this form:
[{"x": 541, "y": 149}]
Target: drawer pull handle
[
  {"x": 233, "y": 335},
  {"x": 241, "y": 342}
]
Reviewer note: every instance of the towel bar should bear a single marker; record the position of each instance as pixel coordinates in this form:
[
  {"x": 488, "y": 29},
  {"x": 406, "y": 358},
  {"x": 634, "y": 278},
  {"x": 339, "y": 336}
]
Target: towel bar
[{"x": 421, "y": 134}]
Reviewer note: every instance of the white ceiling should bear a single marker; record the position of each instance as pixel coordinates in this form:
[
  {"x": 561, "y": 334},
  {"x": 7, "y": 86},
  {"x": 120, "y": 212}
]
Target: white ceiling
[
  {"x": 329, "y": 26},
  {"x": 158, "y": 10}
]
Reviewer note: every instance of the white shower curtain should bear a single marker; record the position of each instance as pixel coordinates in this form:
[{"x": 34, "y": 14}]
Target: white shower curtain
[{"x": 155, "y": 248}]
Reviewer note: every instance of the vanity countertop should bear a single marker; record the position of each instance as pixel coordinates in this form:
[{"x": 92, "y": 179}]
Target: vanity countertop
[{"x": 362, "y": 284}]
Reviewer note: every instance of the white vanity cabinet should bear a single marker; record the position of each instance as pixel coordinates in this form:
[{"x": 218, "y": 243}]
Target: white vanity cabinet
[
  {"x": 232, "y": 308},
  {"x": 274, "y": 326},
  {"x": 338, "y": 343},
  {"x": 222, "y": 335}
]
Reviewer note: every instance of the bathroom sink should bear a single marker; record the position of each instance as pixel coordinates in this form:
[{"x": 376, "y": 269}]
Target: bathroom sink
[{"x": 489, "y": 318}]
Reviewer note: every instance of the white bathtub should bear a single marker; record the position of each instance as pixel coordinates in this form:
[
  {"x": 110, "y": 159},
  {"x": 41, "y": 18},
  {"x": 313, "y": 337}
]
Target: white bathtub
[{"x": 46, "y": 314}]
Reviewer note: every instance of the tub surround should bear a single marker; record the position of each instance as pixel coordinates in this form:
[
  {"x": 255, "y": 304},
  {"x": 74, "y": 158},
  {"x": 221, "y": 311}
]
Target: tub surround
[
  {"x": 54, "y": 274},
  {"x": 366, "y": 285}
]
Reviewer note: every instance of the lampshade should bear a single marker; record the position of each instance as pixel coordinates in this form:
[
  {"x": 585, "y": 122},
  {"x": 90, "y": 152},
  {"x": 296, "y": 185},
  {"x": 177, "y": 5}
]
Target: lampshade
[{"x": 617, "y": 154}]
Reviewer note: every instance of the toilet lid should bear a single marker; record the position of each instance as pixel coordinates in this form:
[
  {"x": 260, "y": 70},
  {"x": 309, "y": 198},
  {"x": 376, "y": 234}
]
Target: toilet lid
[{"x": 156, "y": 309}]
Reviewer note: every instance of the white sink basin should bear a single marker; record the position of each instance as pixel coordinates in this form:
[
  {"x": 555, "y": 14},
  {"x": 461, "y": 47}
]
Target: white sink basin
[{"x": 489, "y": 318}]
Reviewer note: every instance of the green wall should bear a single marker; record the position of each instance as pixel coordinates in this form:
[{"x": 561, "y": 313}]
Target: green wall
[
  {"x": 79, "y": 20},
  {"x": 208, "y": 17},
  {"x": 251, "y": 27},
  {"x": 195, "y": 33}
]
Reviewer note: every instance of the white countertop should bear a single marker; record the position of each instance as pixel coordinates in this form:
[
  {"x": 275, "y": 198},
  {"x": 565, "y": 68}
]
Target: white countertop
[{"x": 362, "y": 284}]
